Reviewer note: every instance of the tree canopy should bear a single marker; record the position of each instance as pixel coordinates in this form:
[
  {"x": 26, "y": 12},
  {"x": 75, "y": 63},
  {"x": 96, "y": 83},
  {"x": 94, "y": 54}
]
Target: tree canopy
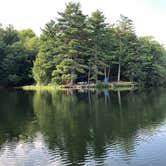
[
  {"x": 77, "y": 47},
  {"x": 18, "y": 50}
]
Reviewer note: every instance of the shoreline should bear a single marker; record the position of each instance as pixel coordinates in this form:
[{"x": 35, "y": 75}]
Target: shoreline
[{"x": 122, "y": 86}]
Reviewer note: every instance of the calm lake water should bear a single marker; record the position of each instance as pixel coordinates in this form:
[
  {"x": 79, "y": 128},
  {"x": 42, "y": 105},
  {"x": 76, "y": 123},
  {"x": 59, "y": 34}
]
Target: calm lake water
[{"x": 83, "y": 128}]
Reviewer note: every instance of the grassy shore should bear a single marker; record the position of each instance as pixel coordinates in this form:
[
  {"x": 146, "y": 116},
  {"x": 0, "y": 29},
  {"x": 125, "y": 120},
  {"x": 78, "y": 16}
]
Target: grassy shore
[
  {"x": 98, "y": 85},
  {"x": 41, "y": 87}
]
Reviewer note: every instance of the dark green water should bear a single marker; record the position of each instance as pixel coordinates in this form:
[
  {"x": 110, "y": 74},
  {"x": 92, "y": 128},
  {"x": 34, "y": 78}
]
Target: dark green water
[{"x": 82, "y": 128}]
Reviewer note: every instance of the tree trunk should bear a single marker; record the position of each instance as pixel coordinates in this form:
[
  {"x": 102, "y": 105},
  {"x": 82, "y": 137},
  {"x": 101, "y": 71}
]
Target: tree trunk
[
  {"x": 96, "y": 61},
  {"x": 119, "y": 72},
  {"x": 89, "y": 76},
  {"x": 109, "y": 73},
  {"x": 96, "y": 74},
  {"x": 71, "y": 82},
  {"x": 105, "y": 72},
  {"x": 119, "y": 67}
]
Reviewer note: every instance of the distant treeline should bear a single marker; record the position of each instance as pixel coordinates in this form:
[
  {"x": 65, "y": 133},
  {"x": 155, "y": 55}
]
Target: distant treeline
[{"x": 80, "y": 48}]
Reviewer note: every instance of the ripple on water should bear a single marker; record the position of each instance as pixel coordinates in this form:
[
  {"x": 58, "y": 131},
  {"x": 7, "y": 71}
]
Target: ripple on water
[{"x": 145, "y": 149}]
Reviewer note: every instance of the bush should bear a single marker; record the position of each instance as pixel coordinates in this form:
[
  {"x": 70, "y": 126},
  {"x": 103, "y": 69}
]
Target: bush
[{"x": 100, "y": 84}]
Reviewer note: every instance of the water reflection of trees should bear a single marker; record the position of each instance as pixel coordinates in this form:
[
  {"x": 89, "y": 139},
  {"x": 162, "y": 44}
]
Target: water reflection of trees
[
  {"x": 82, "y": 124},
  {"x": 16, "y": 114}
]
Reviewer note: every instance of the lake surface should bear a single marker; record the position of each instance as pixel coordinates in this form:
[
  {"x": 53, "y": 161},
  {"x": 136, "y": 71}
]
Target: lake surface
[{"x": 82, "y": 128}]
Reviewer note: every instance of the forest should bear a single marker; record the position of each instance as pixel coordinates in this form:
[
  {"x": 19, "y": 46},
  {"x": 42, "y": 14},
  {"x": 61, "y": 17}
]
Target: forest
[{"x": 80, "y": 48}]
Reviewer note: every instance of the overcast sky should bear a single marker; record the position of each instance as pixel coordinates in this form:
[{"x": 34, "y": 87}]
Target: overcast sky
[{"x": 149, "y": 16}]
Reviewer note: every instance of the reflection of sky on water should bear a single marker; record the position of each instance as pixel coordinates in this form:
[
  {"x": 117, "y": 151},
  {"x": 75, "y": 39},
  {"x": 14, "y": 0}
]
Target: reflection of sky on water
[
  {"x": 28, "y": 154},
  {"x": 149, "y": 150}
]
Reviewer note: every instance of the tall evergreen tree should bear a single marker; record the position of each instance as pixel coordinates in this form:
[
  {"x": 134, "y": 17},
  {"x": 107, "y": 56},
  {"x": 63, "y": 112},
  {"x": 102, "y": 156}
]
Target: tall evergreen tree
[
  {"x": 71, "y": 39},
  {"x": 43, "y": 65},
  {"x": 125, "y": 34},
  {"x": 97, "y": 26}
]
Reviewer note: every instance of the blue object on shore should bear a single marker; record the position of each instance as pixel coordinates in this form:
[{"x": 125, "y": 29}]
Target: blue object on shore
[{"x": 106, "y": 80}]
